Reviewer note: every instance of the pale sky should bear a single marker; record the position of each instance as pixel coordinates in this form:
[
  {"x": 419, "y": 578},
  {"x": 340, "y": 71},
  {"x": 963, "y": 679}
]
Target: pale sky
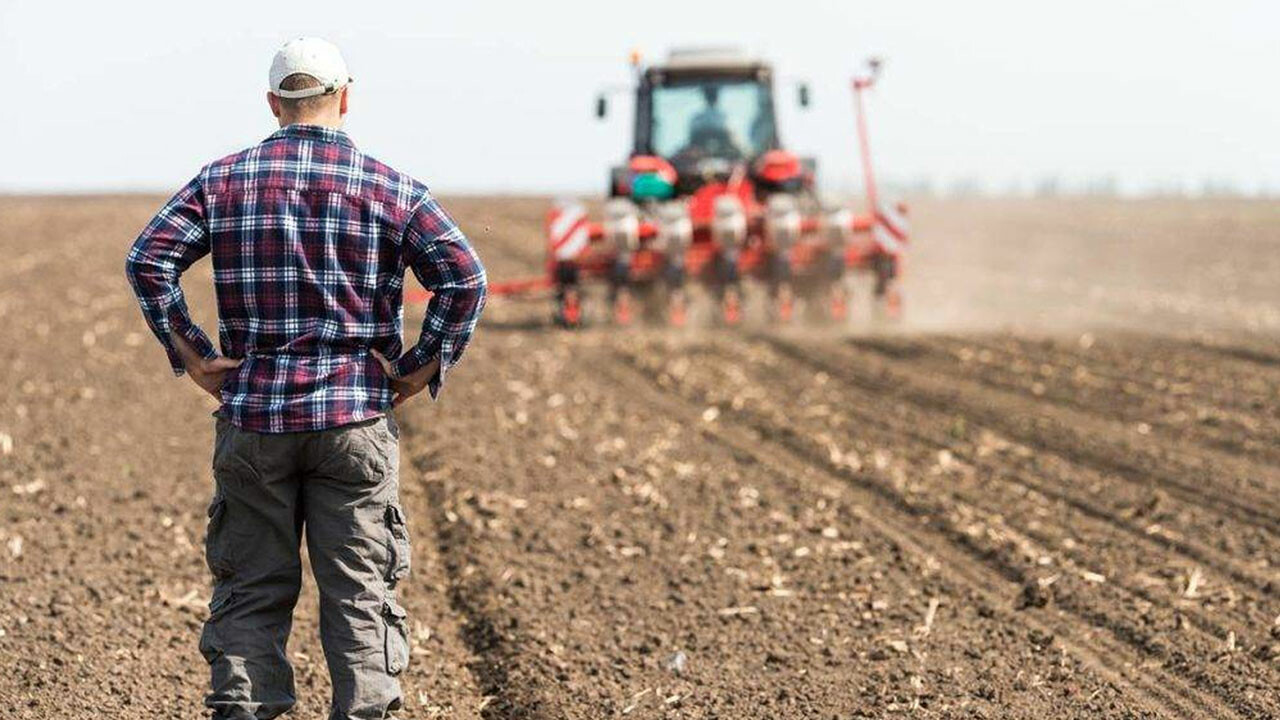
[{"x": 497, "y": 96}]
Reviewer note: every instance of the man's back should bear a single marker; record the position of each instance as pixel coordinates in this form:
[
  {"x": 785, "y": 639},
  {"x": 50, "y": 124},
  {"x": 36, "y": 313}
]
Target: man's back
[{"x": 310, "y": 239}]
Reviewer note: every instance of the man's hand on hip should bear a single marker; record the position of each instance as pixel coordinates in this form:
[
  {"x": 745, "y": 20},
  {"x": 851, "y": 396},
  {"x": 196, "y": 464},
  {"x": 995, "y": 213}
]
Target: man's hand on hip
[
  {"x": 208, "y": 373},
  {"x": 411, "y": 384}
]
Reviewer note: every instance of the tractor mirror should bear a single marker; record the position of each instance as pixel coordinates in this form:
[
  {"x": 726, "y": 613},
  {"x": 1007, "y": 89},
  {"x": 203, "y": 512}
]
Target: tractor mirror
[
  {"x": 602, "y": 106},
  {"x": 803, "y": 95}
]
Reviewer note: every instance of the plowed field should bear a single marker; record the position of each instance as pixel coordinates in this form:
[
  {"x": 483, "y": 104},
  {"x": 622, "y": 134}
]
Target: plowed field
[{"x": 1053, "y": 492}]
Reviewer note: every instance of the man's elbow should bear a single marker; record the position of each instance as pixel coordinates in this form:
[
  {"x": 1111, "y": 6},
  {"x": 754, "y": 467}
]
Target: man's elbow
[
  {"x": 145, "y": 270},
  {"x": 477, "y": 278},
  {"x": 135, "y": 267},
  {"x": 481, "y": 287}
]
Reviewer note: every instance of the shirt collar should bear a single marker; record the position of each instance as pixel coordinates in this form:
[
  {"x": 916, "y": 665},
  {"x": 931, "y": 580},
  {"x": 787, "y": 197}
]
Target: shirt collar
[{"x": 312, "y": 132}]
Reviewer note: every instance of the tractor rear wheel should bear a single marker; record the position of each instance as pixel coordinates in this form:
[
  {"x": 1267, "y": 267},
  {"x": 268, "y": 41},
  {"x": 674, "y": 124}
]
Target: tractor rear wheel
[{"x": 887, "y": 291}]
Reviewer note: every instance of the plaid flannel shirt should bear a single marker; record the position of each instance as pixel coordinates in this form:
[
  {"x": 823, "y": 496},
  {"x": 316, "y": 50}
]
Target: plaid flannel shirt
[{"x": 310, "y": 240}]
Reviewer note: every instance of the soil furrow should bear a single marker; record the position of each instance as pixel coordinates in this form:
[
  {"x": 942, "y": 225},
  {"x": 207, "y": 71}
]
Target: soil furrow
[
  {"x": 981, "y": 566},
  {"x": 486, "y": 628},
  {"x": 647, "y": 518},
  {"x": 1179, "y": 370},
  {"x": 1251, "y": 619},
  {"x": 992, "y": 455},
  {"x": 1184, "y": 410},
  {"x": 1015, "y": 404},
  {"x": 1244, "y": 497},
  {"x": 1069, "y": 382},
  {"x": 1254, "y": 356}
]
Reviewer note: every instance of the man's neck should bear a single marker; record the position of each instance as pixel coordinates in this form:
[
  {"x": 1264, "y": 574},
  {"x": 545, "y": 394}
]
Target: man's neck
[{"x": 331, "y": 123}]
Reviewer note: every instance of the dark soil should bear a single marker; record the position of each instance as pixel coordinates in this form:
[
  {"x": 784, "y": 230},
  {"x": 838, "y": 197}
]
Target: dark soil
[{"x": 712, "y": 524}]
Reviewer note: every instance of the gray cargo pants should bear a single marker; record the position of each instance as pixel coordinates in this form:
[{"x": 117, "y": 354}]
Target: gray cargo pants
[{"x": 341, "y": 487}]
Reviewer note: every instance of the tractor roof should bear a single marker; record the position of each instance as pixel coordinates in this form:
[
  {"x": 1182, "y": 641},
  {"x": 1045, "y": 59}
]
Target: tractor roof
[{"x": 714, "y": 59}]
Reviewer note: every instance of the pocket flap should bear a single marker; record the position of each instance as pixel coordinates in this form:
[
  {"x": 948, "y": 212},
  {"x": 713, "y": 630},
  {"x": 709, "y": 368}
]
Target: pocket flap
[
  {"x": 393, "y": 611},
  {"x": 218, "y": 604},
  {"x": 394, "y": 515}
]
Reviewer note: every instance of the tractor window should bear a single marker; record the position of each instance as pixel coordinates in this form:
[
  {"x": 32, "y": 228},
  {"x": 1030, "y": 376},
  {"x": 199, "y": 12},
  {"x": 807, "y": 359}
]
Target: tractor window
[{"x": 723, "y": 119}]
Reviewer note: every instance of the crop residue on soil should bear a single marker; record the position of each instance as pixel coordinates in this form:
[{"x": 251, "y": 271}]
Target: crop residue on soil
[{"x": 750, "y": 524}]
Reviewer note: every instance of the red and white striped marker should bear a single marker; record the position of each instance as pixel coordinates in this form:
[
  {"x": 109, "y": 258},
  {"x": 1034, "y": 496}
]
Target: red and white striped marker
[
  {"x": 891, "y": 229},
  {"x": 567, "y": 230}
]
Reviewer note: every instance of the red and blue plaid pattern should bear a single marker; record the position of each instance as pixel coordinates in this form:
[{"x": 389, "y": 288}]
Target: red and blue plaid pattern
[{"x": 310, "y": 240}]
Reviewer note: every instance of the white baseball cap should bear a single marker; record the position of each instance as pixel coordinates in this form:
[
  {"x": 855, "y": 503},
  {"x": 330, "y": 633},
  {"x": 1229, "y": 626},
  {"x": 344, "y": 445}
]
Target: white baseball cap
[{"x": 309, "y": 56}]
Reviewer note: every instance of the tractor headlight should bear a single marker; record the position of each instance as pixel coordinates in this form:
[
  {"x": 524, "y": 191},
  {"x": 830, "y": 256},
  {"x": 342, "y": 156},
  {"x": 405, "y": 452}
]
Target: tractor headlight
[
  {"x": 622, "y": 225},
  {"x": 782, "y": 220},
  {"x": 729, "y": 226}
]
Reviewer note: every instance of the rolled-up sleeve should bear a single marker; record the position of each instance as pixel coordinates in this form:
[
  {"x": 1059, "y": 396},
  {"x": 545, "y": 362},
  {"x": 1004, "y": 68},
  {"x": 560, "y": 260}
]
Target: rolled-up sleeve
[
  {"x": 174, "y": 239},
  {"x": 438, "y": 253}
]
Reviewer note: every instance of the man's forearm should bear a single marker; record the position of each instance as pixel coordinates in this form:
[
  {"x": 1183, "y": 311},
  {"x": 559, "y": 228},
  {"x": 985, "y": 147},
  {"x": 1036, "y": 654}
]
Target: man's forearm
[
  {"x": 445, "y": 263},
  {"x": 165, "y": 310},
  {"x": 175, "y": 238},
  {"x": 450, "y": 321}
]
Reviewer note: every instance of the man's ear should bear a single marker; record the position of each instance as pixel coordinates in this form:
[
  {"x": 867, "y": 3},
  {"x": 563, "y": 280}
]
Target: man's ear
[
  {"x": 342, "y": 101},
  {"x": 274, "y": 103}
]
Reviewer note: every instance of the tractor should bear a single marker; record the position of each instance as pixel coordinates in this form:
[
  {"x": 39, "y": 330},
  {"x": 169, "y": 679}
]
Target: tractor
[{"x": 711, "y": 211}]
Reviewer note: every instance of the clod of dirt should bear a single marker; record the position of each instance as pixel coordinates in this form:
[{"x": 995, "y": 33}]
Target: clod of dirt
[
  {"x": 676, "y": 662},
  {"x": 30, "y": 488},
  {"x": 1035, "y": 594},
  {"x": 1039, "y": 638},
  {"x": 777, "y": 657}
]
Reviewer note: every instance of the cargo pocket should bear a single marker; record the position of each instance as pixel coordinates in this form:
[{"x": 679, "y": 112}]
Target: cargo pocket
[
  {"x": 210, "y": 644},
  {"x": 398, "y": 549},
  {"x": 397, "y": 637},
  {"x": 209, "y": 649},
  {"x": 215, "y": 541}
]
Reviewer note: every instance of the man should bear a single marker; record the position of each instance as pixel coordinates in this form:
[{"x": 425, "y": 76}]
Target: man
[
  {"x": 711, "y": 118},
  {"x": 310, "y": 239},
  {"x": 709, "y": 130}
]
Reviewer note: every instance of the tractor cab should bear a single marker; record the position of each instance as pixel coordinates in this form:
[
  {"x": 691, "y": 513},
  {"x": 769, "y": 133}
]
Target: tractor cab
[{"x": 698, "y": 117}]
